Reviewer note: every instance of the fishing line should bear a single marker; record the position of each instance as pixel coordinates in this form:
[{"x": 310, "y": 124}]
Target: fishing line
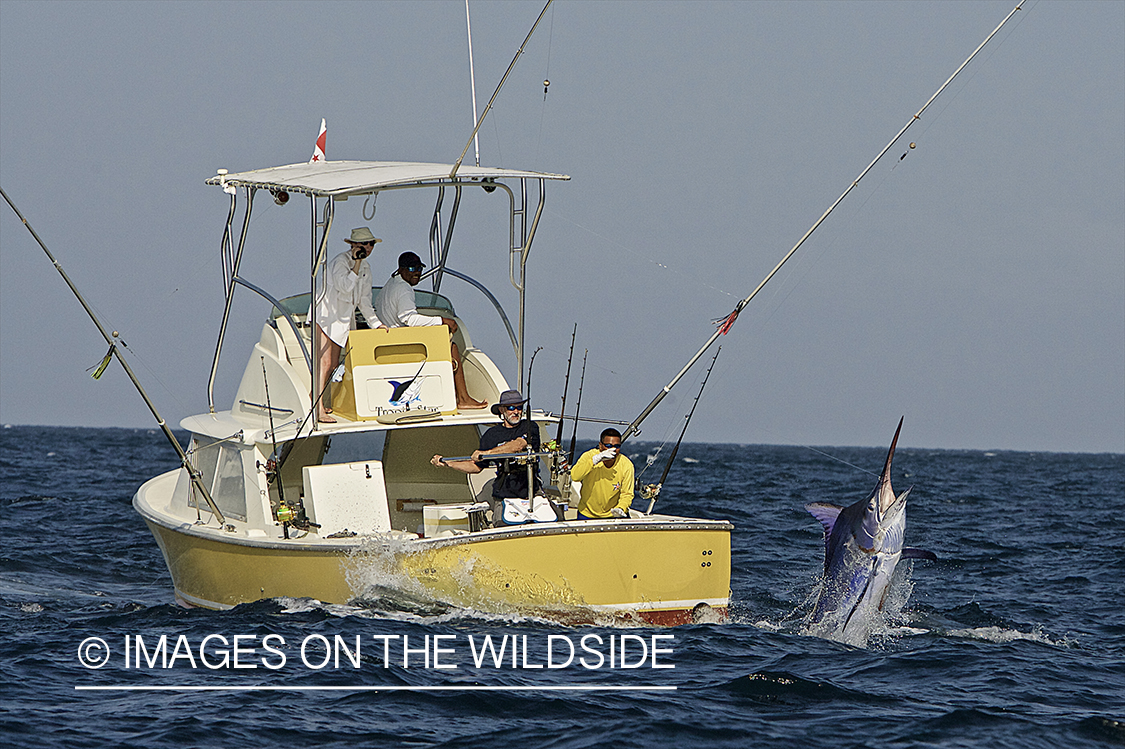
[
  {"x": 669, "y": 429},
  {"x": 122, "y": 346},
  {"x": 496, "y": 137},
  {"x": 203, "y": 255},
  {"x": 721, "y": 374},
  {"x": 142, "y": 362},
  {"x": 993, "y": 49},
  {"x": 546, "y": 84},
  {"x": 805, "y": 263},
  {"x": 854, "y": 217},
  {"x": 616, "y": 245},
  {"x": 839, "y": 460}
]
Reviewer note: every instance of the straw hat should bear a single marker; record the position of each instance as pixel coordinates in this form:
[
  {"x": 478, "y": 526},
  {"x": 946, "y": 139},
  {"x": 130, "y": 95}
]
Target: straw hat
[{"x": 362, "y": 235}]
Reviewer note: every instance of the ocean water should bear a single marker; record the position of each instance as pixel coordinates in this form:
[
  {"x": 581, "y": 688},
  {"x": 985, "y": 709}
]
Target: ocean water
[{"x": 1014, "y": 638}]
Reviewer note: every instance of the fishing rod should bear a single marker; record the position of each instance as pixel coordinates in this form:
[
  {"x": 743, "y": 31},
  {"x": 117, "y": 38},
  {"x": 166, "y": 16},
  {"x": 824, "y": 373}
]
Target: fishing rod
[
  {"x": 488, "y": 107},
  {"x": 559, "y": 475},
  {"x": 530, "y": 426},
  {"x": 497, "y": 456},
  {"x": 594, "y": 420},
  {"x": 652, "y": 491},
  {"x": 283, "y": 512},
  {"x": 566, "y": 384},
  {"x": 185, "y": 461},
  {"x": 577, "y": 408},
  {"x": 336, "y": 376},
  {"x": 726, "y": 322}
]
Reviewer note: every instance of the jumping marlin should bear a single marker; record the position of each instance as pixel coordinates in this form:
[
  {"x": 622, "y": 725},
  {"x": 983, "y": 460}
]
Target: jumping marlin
[{"x": 862, "y": 546}]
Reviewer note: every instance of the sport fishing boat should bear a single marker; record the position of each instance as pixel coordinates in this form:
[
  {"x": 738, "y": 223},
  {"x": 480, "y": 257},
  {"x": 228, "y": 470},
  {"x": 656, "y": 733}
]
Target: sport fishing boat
[{"x": 272, "y": 502}]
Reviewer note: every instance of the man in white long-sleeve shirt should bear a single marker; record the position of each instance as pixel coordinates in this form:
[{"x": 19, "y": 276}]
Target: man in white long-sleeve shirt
[
  {"x": 346, "y": 285},
  {"x": 396, "y": 308}
]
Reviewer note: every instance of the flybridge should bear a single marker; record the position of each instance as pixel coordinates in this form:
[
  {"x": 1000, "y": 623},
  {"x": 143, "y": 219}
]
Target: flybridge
[{"x": 334, "y": 181}]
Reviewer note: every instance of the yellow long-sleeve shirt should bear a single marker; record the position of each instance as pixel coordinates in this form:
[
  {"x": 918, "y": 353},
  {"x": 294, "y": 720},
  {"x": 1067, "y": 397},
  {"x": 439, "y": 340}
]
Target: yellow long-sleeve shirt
[{"x": 603, "y": 487}]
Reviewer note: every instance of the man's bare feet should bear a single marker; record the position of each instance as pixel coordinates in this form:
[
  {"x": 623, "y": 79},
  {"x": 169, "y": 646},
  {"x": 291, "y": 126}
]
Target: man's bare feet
[{"x": 326, "y": 419}]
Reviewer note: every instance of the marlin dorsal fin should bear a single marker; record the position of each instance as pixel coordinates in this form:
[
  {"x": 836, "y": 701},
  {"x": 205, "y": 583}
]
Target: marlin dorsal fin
[{"x": 826, "y": 513}]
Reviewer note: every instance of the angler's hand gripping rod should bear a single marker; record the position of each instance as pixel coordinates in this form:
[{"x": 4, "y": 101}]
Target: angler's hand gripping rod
[{"x": 729, "y": 321}]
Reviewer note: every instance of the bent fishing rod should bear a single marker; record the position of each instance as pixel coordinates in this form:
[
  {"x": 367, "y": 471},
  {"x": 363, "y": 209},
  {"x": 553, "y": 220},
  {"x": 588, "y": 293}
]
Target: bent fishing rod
[
  {"x": 196, "y": 478},
  {"x": 728, "y": 321}
]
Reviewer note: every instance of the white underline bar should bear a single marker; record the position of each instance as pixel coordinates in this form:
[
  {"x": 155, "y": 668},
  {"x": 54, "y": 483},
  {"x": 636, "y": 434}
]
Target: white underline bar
[{"x": 447, "y": 688}]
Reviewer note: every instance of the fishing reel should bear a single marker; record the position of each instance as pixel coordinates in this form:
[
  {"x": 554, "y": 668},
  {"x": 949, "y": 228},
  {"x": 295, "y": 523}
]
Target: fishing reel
[
  {"x": 557, "y": 461},
  {"x": 650, "y": 491},
  {"x": 269, "y": 467},
  {"x": 294, "y": 517}
]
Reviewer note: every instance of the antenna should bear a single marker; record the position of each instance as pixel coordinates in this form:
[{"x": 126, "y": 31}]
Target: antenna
[{"x": 488, "y": 106}]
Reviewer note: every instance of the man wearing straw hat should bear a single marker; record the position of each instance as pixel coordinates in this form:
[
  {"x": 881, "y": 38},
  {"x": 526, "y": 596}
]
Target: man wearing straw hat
[{"x": 346, "y": 285}]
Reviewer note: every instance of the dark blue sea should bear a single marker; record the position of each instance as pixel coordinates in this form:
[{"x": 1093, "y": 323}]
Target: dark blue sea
[{"x": 1015, "y": 637}]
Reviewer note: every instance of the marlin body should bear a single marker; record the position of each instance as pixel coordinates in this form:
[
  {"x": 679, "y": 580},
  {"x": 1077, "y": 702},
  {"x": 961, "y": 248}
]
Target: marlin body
[{"x": 862, "y": 546}]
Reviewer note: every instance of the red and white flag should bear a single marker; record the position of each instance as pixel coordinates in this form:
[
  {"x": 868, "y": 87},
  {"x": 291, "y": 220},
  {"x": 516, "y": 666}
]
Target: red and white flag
[{"x": 321, "y": 140}]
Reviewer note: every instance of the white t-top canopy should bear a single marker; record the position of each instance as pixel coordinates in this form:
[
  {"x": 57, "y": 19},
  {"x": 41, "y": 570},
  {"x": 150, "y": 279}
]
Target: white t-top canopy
[{"x": 342, "y": 178}]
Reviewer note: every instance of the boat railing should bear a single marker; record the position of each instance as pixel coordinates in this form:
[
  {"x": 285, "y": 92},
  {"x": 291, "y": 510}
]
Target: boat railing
[{"x": 484, "y": 290}]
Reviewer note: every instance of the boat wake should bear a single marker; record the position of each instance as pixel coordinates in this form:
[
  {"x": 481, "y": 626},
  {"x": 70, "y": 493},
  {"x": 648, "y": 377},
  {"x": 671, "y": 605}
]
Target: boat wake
[{"x": 398, "y": 582}]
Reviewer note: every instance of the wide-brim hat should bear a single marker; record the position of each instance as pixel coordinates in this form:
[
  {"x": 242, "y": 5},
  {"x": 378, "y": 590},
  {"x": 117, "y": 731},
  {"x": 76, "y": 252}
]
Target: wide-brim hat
[
  {"x": 362, "y": 235},
  {"x": 508, "y": 398}
]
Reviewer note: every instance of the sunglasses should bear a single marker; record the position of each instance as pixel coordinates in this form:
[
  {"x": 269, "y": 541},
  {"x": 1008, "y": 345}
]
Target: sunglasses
[
  {"x": 514, "y": 408},
  {"x": 608, "y": 445},
  {"x": 413, "y": 268}
]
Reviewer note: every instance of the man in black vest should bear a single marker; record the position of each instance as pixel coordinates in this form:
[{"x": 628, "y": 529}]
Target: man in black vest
[{"x": 510, "y": 436}]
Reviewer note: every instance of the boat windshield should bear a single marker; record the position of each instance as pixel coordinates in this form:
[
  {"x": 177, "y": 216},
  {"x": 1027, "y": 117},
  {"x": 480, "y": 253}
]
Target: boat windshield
[{"x": 298, "y": 305}]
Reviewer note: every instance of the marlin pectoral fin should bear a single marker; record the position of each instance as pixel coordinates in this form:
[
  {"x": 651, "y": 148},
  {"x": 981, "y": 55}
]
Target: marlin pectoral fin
[
  {"x": 826, "y": 513},
  {"x": 912, "y": 553}
]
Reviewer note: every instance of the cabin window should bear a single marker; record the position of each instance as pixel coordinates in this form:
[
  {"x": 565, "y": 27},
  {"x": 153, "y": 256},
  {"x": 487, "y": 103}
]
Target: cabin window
[
  {"x": 353, "y": 447},
  {"x": 229, "y": 490},
  {"x": 221, "y": 468}
]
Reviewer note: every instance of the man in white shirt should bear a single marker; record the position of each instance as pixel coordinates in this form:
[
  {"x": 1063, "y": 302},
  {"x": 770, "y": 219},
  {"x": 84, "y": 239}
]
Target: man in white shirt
[
  {"x": 346, "y": 285},
  {"x": 397, "y": 309}
]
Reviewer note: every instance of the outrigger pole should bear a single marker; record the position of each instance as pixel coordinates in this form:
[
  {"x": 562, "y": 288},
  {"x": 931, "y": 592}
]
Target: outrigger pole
[
  {"x": 728, "y": 321},
  {"x": 488, "y": 106},
  {"x": 196, "y": 480}
]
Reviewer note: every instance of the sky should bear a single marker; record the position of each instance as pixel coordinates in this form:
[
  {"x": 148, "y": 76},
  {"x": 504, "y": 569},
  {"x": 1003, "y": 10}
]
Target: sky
[{"x": 976, "y": 286}]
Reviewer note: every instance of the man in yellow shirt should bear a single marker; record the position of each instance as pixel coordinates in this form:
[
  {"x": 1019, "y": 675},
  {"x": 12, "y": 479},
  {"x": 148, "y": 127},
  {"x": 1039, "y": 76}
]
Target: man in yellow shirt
[{"x": 607, "y": 480}]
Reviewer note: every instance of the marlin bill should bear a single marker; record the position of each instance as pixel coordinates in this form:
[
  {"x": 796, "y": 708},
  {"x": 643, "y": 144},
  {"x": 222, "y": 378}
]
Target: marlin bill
[{"x": 862, "y": 547}]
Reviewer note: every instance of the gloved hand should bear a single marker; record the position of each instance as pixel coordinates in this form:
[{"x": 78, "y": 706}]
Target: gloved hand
[
  {"x": 618, "y": 512},
  {"x": 607, "y": 454}
]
